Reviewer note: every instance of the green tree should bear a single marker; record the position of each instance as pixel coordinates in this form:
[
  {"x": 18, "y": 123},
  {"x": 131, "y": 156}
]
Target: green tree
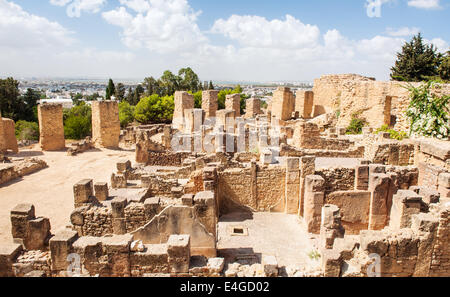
[
  {"x": 120, "y": 92},
  {"x": 189, "y": 80},
  {"x": 154, "y": 109},
  {"x": 27, "y": 130},
  {"x": 126, "y": 113},
  {"x": 10, "y": 104},
  {"x": 29, "y": 105},
  {"x": 417, "y": 61},
  {"x": 151, "y": 86},
  {"x": 110, "y": 90},
  {"x": 211, "y": 86},
  {"x": 77, "y": 121},
  {"x": 169, "y": 83},
  {"x": 444, "y": 67}
]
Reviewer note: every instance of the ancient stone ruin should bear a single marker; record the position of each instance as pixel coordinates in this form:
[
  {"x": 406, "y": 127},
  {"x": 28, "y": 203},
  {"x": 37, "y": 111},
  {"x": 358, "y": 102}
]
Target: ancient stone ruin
[{"x": 276, "y": 192}]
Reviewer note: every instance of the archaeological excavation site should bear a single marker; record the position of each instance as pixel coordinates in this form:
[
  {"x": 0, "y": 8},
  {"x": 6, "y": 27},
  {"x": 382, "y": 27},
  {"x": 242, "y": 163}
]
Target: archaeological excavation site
[{"x": 282, "y": 191}]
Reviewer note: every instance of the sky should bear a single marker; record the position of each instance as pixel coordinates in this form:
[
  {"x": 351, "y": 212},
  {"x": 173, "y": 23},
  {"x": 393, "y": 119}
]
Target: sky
[{"x": 232, "y": 40}]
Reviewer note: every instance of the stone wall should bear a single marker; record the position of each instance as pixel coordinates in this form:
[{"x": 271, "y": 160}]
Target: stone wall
[
  {"x": 283, "y": 104},
  {"x": 379, "y": 103},
  {"x": 9, "y": 172},
  {"x": 105, "y": 124},
  {"x": 183, "y": 101},
  {"x": 51, "y": 127},
  {"x": 209, "y": 103}
]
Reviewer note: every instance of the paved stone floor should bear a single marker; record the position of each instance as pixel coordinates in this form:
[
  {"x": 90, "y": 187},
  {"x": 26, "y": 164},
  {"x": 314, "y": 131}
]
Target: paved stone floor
[
  {"x": 274, "y": 234},
  {"x": 51, "y": 189}
]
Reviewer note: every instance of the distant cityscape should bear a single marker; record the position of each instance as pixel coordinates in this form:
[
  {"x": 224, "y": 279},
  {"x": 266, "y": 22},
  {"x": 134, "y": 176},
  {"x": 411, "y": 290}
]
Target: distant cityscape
[{"x": 63, "y": 90}]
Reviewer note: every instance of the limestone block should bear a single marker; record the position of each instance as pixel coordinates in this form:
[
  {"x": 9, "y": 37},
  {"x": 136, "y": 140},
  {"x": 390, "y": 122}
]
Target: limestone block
[
  {"x": 117, "y": 249},
  {"x": 209, "y": 103},
  {"x": 233, "y": 102},
  {"x": 304, "y": 103},
  {"x": 424, "y": 222},
  {"x": 314, "y": 183},
  {"x": 187, "y": 199},
  {"x": 405, "y": 205},
  {"x": 82, "y": 191},
  {"x": 362, "y": 178},
  {"x": 9, "y": 136},
  {"x": 215, "y": 265},
  {"x": 153, "y": 259},
  {"x": 60, "y": 248},
  {"x": 331, "y": 263},
  {"x": 123, "y": 166},
  {"x": 105, "y": 124},
  {"x": 283, "y": 104},
  {"x": 379, "y": 185},
  {"x": 38, "y": 233},
  {"x": 51, "y": 127},
  {"x": 252, "y": 108},
  {"x": 270, "y": 265},
  {"x": 8, "y": 255},
  {"x": 178, "y": 249},
  {"x": 183, "y": 101},
  {"x": 20, "y": 215},
  {"x": 101, "y": 191},
  {"x": 444, "y": 180},
  {"x": 118, "y": 205},
  {"x": 312, "y": 211}
]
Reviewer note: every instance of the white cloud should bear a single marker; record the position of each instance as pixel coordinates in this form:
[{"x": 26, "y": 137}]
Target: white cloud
[
  {"x": 166, "y": 26},
  {"x": 440, "y": 44},
  {"x": 136, "y": 5},
  {"x": 256, "y": 31},
  {"x": 75, "y": 7},
  {"x": 425, "y": 4},
  {"x": 22, "y": 30},
  {"x": 403, "y": 31}
]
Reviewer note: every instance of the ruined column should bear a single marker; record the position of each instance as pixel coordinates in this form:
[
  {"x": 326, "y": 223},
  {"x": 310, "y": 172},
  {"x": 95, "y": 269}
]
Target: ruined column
[
  {"x": 362, "y": 177},
  {"x": 209, "y": 103},
  {"x": 331, "y": 226},
  {"x": 178, "y": 250},
  {"x": 292, "y": 186},
  {"x": 9, "y": 135},
  {"x": 226, "y": 118},
  {"x": 183, "y": 101},
  {"x": 379, "y": 187},
  {"x": 233, "y": 102},
  {"x": 252, "y": 108},
  {"x": 283, "y": 104},
  {"x": 314, "y": 199},
  {"x": 118, "y": 205},
  {"x": 307, "y": 167},
  {"x": 105, "y": 124},
  {"x": 405, "y": 204},
  {"x": 51, "y": 127},
  {"x": 304, "y": 103}
]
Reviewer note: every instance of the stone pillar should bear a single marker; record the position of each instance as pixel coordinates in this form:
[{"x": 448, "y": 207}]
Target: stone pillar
[
  {"x": 61, "y": 247},
  {"x": 9, "y": 136},
  {"x": 314, "y": 199},
  {"x": 51, "y": 127},
  {"x": 82, "y": 191},
  {"x": 233, "y": 102},
  {"x": 331, "y": 226},
  {"x": 444, "y": 185},
  {"x": 405, "y": 205},
  {"x": 183, "y": 101},
  {"x": 178, "y": 250},
  {"x": 209, "y": 103},
  {"x": 379, "y": 185},
  {"x": 304, "y": 103},
  {"x": 193, "y": 120},
  {"x": 118, "y": 215},
  {"x": 252, "y": 108},
  {"x": 307, "y": 167},
  {"x": 101, "y": 191},
  {"x": 362, "y": 178},
  {"x": 292, "y": 186},
  {"x": 105, "y": 124},
  {"x": 20, "y": 215},
  {"x": 226, "y": 118},
  {"x": 8, "y": 255},
  {"x": 283, "y": 104},
  {"x": 205, "y": 208},
  {"x": 2, "y": 136}
]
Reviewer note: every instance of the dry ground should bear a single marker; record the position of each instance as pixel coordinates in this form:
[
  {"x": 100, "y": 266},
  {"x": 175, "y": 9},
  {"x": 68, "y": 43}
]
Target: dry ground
[{"x": 51, "y": 189}]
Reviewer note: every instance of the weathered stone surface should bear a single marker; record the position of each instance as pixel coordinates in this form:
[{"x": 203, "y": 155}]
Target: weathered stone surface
[
  {"x": 209, "y": 103},
  {"x": 178, "y": 249},
  {"x": 82, "y": 191},
  {"x": 101, "y": 191},
  {"x": 61, "y": 247},
  {"x": 105, "y": 124},
  {"x": 270, "y": 265},
  {"x": 51, "y": 128},
  {"x": 8, "y": 254},
  {"x": 183, "y": 101},
  {"x": 379, "y": 187},
  {"x": 233, "y": 102}
]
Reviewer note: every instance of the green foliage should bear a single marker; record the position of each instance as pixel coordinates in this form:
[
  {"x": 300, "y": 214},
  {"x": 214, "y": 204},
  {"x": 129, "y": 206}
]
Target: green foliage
[
  {"x": 77, "y": 121},
  {"x": 120, "y": 92},
  {"x": 14, "y": 106},
  {"x": 428, "y": 112},
  {"x": 126, "y": 113},
  {"x": 110, "y": 89},
  {"x": 154, "y": 109},
  {"x": 394, "y": 134},
  {"x": 444, "y": 67},
  {"x": 417, "y": 61},
  {"x": 27, "y": 130},
  {"x": 223, "y": 94},
  {"x": 314, "y": 255},
  {"x": 356, "y": 125}
]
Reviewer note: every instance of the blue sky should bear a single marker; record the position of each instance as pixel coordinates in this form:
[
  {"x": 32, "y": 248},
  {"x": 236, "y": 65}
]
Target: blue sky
[{"x": 251, "y": 40}]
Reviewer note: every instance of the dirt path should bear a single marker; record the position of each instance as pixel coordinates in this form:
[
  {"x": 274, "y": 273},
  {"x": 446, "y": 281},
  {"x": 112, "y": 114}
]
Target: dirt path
[{"x": 51, "y": 189}]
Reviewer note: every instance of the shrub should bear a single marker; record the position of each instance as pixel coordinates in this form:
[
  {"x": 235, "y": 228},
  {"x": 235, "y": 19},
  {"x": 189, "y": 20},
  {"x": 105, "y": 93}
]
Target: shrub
[
  {"x": 394, "y": 134},
  {"x": 356, "y": 125},
  {"x": 154, "y": 109},
  {"x": 126, "y": 113},
  {"x": 77, "y": 121},
  {"x": 27, "y": 130},
  {"x": 428, "y": 112}
]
